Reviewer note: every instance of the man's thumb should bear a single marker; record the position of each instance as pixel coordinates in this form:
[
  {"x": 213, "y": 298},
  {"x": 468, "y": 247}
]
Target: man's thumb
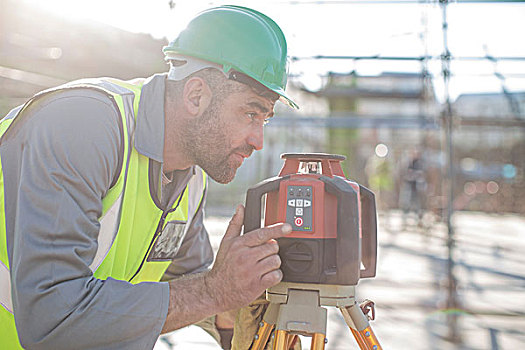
[{"x": 235, "y": 225}]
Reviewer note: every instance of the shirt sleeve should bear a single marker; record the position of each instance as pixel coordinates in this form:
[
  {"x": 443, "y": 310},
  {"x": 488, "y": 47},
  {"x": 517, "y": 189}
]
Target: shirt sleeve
[
  {"x": 58, "y": 164},
  {"x": 195, "y": 254}
]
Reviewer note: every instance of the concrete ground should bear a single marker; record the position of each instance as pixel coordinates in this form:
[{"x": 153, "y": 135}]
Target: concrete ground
[{"x": 410, "y": 288}]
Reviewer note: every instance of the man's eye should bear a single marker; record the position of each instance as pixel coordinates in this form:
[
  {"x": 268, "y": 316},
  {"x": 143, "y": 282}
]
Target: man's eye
[{"x": 254, "y": 117}]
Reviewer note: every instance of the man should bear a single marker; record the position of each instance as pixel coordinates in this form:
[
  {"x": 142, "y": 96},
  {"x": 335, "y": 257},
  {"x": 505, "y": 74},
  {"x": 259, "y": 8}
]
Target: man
[{"x": 104, "y": 184}]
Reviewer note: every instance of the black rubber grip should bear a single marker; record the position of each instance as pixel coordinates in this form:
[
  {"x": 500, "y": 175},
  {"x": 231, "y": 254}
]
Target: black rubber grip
[
  {"x": 348, "y": 251},
  {"x": 252, "y": 211},
  {"x": 369, "y": 230}
]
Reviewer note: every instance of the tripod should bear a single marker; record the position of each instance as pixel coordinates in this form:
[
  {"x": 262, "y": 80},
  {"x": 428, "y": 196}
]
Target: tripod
[{"x": 296, "y": 308}]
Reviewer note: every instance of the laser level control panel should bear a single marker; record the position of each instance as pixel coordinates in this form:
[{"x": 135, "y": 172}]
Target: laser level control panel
[{"x": 299, "y": 208}]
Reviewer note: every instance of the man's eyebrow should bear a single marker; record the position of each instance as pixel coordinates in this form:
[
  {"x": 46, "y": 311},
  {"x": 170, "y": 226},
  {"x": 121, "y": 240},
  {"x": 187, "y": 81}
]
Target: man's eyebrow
[{"x": 260, "y": 108}]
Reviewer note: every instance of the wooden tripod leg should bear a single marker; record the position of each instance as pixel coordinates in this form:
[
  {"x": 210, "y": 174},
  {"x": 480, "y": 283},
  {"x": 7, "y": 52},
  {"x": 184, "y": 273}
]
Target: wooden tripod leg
[
  {"x": 366, "y": 339},
  {"x": 360, "y": 341},
  {"x": 266, "y": 327},
  {"x": 318, "y": 341},
  {"x": 280, "y": 341},
  {"x": 262, "y": 335},
  {"x": 290, "y": 341},
  {"x": 358, "y": 324},
  {"x": 283, "y": 340}
]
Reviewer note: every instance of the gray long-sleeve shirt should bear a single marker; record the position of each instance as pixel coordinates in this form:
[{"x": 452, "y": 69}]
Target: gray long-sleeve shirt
[{"x": 58, "y": 162}]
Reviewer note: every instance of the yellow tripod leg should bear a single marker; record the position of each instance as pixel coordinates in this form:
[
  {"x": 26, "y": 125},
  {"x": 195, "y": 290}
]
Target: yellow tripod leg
[
  {"x": 366, "y": 339},
  {"x": 360, "y": 341},
  {"x": 360, "y": 327},
  {"x": 289, "y": 340},
  {"x": 262, "y": 336},
  {"x": 318, "y": 341},
  {"x": 280, "y": 341}
]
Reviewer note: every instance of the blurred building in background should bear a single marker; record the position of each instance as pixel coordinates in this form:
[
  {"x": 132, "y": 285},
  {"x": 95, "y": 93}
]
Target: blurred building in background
[{"x": 490, "y": 152}]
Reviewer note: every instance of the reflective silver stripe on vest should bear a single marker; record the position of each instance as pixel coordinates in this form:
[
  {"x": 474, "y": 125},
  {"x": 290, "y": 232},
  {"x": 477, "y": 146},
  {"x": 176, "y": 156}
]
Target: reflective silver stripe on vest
[
  {"x": 13, "y": 113},
  {"x": 196, "y": 187},
  {"x": 108, "y": 230},
  {"x": 5, "y": 288},
  {"x": 109, "y": 223}
]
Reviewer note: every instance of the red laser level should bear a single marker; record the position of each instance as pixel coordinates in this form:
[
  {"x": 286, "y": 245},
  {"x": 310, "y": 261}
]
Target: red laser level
[
  {"x": 334, "y": 228},
  {"x": 333, "y": 243}
]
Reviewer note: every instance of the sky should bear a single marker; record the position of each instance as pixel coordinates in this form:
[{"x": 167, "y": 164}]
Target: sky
[{"x": 351, "y": 28}]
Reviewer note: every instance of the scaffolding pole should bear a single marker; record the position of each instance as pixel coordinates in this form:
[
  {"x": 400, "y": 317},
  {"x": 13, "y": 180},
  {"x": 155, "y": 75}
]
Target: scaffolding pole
[{"x": 448, "y": 184}]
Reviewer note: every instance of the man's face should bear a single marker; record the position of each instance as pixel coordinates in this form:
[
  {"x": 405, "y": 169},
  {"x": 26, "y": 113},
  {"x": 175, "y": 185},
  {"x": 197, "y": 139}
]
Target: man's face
[{"x": 227, "y": 132}]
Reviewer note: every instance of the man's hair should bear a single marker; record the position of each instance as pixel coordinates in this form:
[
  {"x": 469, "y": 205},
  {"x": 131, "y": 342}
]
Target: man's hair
[{"x": 220, "y": 86}]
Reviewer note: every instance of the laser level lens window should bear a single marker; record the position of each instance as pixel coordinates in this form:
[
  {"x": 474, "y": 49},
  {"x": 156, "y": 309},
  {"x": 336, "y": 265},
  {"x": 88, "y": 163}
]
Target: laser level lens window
[{"x": 310, "y": 168}]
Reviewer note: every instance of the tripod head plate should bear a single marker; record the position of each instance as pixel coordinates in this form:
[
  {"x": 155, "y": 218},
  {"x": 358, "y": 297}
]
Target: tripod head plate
[{"x": 329, "y": 294}]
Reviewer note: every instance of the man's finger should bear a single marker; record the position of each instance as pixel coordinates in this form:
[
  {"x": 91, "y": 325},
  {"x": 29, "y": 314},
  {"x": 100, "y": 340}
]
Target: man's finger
[
  {"x": 272, "y": 278},
  {"x": 236, "y": 222},
  {"x": 264, "y": 250},
  {"x": 270, "y": 263},
  {"x": 263, "y": 235}
]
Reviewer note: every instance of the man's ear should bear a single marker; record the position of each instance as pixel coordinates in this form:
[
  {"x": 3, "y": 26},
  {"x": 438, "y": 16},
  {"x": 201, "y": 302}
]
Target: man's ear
[{"x": 196, "y": 96}]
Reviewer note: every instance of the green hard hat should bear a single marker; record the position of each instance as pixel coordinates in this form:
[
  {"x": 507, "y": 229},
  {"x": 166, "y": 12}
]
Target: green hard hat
[{"x": 239, "y": 39}]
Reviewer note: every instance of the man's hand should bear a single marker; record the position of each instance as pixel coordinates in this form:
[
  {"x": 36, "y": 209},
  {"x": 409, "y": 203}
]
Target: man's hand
[{"x": 245, "y": 265}]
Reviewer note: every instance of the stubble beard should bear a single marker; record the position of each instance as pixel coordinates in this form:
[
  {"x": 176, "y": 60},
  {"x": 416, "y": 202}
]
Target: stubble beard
[{"x": 209, "y": 146}]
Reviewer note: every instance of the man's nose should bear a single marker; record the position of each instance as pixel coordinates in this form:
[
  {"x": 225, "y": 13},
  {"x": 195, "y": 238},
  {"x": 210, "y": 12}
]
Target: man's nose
[{"x": 256, "y": 137}]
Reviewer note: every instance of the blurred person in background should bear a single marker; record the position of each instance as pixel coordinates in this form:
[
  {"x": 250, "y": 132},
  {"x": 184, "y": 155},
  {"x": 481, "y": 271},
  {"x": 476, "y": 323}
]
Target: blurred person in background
[
  {"x": 103, "y": 187},
  {"x": 413, "y": 187}
]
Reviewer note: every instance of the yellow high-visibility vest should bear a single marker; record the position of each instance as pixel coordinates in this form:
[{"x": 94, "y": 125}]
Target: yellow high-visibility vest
[{"x": 131, "y": 223}]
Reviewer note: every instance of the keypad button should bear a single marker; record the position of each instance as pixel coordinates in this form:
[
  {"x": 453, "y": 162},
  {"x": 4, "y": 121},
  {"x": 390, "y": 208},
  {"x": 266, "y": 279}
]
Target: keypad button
[
  {"x": 299, "y": 202},
  {"x": 291, "y": 202},
  {"x": 298, "y": 211},
  {"x": 307, "y": 203}
]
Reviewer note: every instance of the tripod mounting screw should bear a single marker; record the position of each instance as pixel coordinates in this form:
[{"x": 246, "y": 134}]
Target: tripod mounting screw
[
  {"x": 367, "y": 334},
  {"x": 326, "y": 340},
  {"x": 256, "y": 337},
  {"x": 374, "y": 347}
]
